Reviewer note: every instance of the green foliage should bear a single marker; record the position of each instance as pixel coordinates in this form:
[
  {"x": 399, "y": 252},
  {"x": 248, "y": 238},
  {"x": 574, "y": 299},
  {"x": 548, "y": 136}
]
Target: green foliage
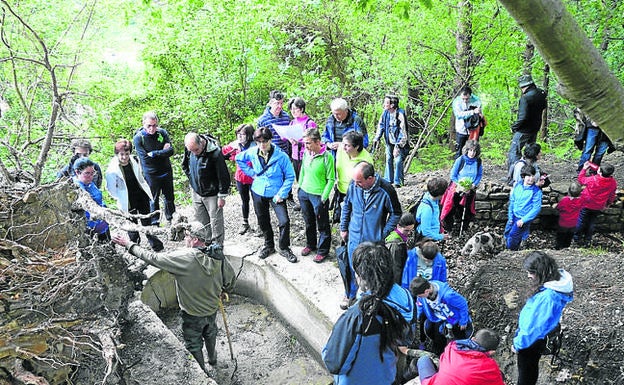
[{"x": 433, "y": 157}]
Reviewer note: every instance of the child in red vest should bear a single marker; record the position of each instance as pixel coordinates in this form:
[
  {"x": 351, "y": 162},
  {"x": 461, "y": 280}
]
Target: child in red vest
[
  {"x": 599, "y": 192},
  {"x": 569, "y": 208}
]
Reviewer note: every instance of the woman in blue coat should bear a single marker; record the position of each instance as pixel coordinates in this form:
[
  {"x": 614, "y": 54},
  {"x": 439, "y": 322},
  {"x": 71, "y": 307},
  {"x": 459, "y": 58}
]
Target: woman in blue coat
[
  {"x": 541, "y": 313},
  {"x": 363, "y": 346}
]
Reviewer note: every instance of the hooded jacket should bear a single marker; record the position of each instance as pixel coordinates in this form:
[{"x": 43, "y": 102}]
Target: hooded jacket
[
  {"x": 542, "y": 311},
  {"x": 599, "y": 192},
  {"x": 352, "y": 351},
  {"x": 428, "y": 218},
  {"x": 318, "y": 175},
  {"x": 200, "y": 276},
  {"x": 353, "y": 122},
  {"x": 410, "y": 271},
  {"x": 525, "y": 202},
  {"x": 455, "y": 309},
  {"x": 207, "y": 172},
  {"x": 465, "y": 362}
]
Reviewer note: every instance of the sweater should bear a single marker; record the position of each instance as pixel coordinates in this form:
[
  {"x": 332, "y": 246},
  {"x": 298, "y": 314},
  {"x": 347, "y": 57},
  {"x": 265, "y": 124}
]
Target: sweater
[{"x": 569, "y": 209}]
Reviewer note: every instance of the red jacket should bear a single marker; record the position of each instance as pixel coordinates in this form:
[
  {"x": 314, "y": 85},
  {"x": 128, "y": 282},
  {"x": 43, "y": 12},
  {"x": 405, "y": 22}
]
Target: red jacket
[
  {"x": 464, "y": 366},
  {"x": 569, "y": 209},
  {"x": 229, "y": 152},
  {"x": 599, "y": 191}
]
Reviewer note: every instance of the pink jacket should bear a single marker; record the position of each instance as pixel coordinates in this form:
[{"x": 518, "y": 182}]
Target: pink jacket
[
  {"x": 306, "y": 123},
  {"x": 229, "y": 152}
]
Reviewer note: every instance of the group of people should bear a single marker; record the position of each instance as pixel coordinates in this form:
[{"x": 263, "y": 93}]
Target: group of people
[{"x": 399, "y": 296}]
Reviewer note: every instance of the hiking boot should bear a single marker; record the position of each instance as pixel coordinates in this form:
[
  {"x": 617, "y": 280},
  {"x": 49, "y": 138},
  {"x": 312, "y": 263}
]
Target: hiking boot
[
  {"x": 307, "y": 251},
  {"x": 244, "y": 228},
  {"x": 319, "y": 258},
  {"x": 288, "y": 254},
  {"x": 265, "y": 252}
]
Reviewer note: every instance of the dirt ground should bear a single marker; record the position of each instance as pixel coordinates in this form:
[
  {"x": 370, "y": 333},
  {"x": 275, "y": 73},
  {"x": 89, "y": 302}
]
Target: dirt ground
[{"x": 592, "y": 353}]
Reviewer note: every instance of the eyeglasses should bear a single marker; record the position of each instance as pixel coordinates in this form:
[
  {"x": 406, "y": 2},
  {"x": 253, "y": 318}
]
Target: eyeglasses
[{"x": 88, "y": 173}]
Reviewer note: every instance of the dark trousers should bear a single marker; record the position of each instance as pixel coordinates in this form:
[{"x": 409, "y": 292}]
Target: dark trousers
[
  {"x": 585, "y": 226},
  {"x": 316, "y": 216},
  {"x": 528, "y": 363},
  {"x": 563, "y": 238},
  {"x": 243, "y": 190},
  {"x": 261, "y": 206},
  {"x": 161, "y": 183},
  {"x": 460, "y": 142},
  {"x": 435, "y": 330},
  {"x": 197, "y": 332},
  {"x": 134, "y": 236},
  {"x": 518, "y": 141}
]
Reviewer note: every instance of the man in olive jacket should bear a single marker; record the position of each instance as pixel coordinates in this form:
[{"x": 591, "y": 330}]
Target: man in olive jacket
[{"x": 202, "y": 274}]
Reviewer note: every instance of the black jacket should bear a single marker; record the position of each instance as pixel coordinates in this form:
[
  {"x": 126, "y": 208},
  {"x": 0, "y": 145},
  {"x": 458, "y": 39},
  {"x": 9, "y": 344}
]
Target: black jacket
[
  {"x": 207, "y": 173},
  {"x": 530, "y": 108}
]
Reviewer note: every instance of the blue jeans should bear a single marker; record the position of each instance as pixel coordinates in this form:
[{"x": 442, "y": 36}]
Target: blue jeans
[
  {"x": 316, "y": 215},
  {"x": 394, "y": 165},
  {"x": 518, "y": 141},
  {"x": 514, "y": 234},
  {"x": 585, "y": 226},
  {"x": 595, "y": 144},
  {"x": 261, "y": 206},
  {"x": 426, "y": 368},
  {"x": 161, "y": 183}
]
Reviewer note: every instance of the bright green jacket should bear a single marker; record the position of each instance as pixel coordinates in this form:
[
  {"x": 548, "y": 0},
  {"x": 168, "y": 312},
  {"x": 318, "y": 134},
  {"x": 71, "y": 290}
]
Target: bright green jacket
[
  {"x": 344, "y": 167},
  {"x": 317, "y": 175}
]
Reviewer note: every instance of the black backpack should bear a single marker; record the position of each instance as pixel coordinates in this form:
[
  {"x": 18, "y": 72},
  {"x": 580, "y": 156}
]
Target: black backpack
[{"x": 553, "y": 342}]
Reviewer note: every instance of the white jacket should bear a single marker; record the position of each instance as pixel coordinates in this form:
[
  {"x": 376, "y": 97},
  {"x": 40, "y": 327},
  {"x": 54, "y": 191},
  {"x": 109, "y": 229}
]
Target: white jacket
[{"x": 116, "y": 183}]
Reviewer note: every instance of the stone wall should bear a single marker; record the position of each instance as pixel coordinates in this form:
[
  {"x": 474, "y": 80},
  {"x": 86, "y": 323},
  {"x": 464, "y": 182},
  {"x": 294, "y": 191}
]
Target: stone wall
[{"x": 492, "y": 202}]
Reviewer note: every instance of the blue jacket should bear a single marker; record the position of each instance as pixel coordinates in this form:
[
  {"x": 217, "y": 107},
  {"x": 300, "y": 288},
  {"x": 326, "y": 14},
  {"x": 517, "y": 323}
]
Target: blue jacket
[
  {"x": 542, "y": 312},
  {"x": 352, "y": 352},
  {"x": 267, "y": 119},
  {"x": 410, "y": 271},
  {"x": 157, "y": 164},
  {"x": 466, "y": 167},
  {"x": 275, "y": 178},
  {"x": 428, "y": 217},
  {"x": 456, "y": 309},
  {"x": 352, "y": 122},
  {"x": 100, "y": 226},
  {"x": 525, "y": 202},
  {"x": 373, "y": 219},
  {"x": 393, "y": 128}
]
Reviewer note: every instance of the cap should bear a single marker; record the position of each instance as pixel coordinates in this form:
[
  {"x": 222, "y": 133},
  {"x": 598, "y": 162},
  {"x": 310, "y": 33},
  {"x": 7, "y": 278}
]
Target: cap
[
  {"x": 525, "y": 81},
  {"x": 198, "y": 230}
]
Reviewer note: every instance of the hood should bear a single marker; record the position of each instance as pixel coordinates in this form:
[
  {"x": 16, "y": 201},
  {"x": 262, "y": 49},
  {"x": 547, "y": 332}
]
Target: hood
[
  {"x": 401, "y": 299},
  {"x": 469, "y": 345},
  {"x": 563, "y": 285},
  {"x": 208, "y": 257},
  {"x": 211, "y": 144}
]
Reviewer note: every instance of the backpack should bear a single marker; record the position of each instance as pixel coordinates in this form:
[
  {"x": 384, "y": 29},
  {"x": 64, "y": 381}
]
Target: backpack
[
  {"x": 553, "y": 342},
  {"x": 413, "y": 209},
  {"x": 510, "y": 181}
]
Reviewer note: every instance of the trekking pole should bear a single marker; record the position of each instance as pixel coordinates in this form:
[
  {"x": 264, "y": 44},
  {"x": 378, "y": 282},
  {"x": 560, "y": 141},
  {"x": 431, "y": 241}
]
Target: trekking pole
[
  {"x": 461, "y": 227},
  {"x": 227, "y": 329}
]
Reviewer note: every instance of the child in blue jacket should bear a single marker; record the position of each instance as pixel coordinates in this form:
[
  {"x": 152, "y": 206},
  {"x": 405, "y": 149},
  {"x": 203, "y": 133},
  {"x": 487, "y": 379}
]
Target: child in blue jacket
[
  {"x": 525, "y": 203},
  {"x": 445, "y": 312}
]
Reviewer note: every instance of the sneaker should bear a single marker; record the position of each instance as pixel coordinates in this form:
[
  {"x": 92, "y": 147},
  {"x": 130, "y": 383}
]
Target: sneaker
[
  {"x": 307, "y": 251},
  {"x": 344, "y": 305},
  {"x": 288, "y": 254},
  {"x": 319, "y": 258},
  {"x": 265, "y": 252},
  {"x": 244, "y": 228}
]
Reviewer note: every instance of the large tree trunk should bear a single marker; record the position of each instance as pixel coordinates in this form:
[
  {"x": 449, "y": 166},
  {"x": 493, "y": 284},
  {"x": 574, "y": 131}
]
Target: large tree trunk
[{"x": 584, "y": 77}]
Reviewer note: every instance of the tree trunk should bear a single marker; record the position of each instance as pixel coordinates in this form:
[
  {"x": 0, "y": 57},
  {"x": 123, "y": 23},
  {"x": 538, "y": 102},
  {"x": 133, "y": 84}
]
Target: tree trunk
[
  {"x": 464, "y": 57},
  {"x": 584, "y": 77}
]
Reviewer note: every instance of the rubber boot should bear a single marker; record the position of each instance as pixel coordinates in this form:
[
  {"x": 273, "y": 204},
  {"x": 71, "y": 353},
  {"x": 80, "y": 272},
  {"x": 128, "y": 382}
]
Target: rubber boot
[
  {"x": 211, "y": 349},
  {"x": 199, "y": 357}
]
